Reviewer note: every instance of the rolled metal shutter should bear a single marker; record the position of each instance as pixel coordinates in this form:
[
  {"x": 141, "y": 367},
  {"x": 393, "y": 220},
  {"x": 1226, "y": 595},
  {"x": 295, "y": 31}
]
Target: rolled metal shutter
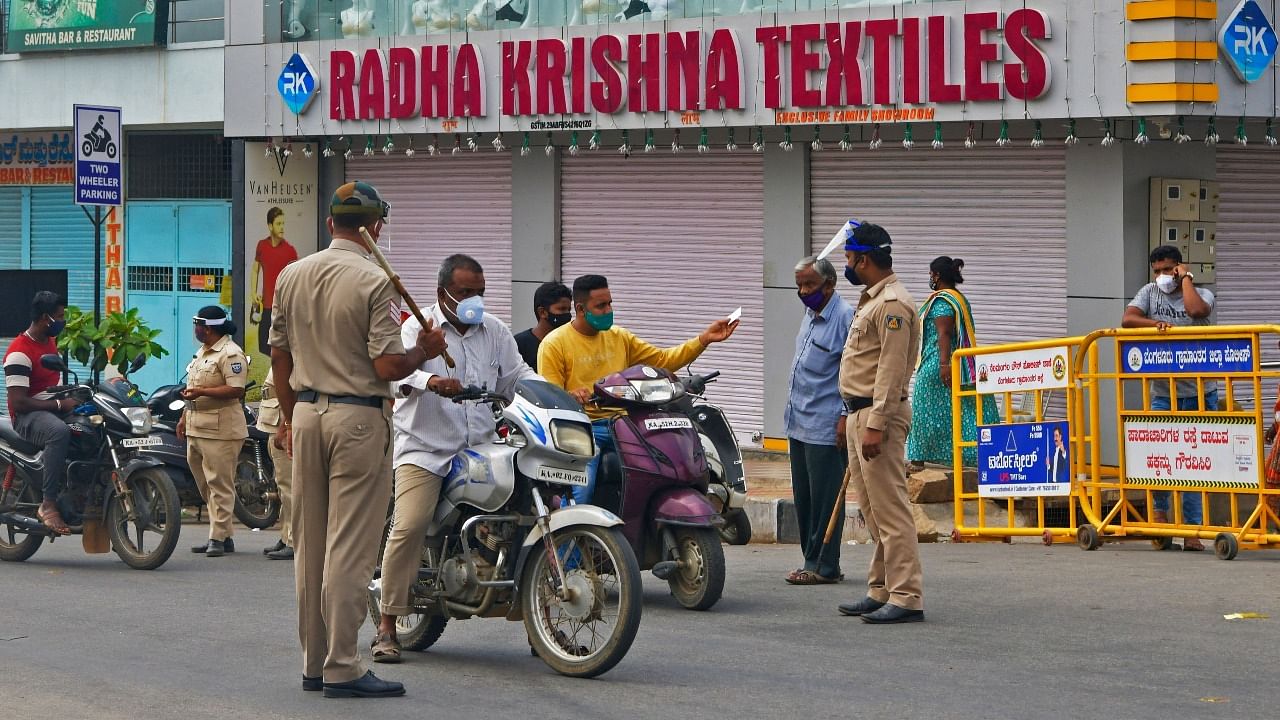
[
  {"x": 10, "y": 228},
  {"x": 1248, "y": 245},
  {"x": 681, "y": 239},
  {"x": 1003, "y": 210},
  {"x": 444, "y": 205},
  {"x": 62, "y": 239}
]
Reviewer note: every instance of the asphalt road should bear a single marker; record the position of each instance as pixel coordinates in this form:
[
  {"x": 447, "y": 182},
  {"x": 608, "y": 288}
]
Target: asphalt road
[{"x": 1012, "y": 631}]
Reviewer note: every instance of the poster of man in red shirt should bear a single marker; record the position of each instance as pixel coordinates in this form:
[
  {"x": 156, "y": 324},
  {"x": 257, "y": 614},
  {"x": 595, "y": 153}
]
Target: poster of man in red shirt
[{"x": 270, "y": 257}]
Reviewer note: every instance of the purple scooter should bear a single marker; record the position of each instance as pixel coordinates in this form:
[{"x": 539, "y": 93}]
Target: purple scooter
[{"x": 656, "y": 481}]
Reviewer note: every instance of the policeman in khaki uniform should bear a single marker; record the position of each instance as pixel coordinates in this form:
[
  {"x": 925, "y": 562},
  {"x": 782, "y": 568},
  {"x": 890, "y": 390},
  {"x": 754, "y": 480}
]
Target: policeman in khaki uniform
[
  {"x": 213, "y": 423},
  {"x": 335, "y": 349},
  {"x": 269, "y": 422},
  {"x": 875, "y": 371}
]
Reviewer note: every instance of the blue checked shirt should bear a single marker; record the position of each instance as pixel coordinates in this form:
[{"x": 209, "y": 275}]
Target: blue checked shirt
[{"x": 813, "y": 401}]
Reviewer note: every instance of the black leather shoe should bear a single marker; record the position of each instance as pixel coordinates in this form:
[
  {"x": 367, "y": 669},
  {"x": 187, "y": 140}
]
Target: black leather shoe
[
  {"x": 201, "y": 547},
  {"x": 284, "y": 553},
  {"x": 274, "y": 548},
  {"x": 862, "y": 607},
  {"x": 228, "y": 546},
  {"x": 312, "y": 684},
  {"x": 368, "y": 686},
  {"x": 891, "y": 613},
  {"x": 215, "y": 548}
]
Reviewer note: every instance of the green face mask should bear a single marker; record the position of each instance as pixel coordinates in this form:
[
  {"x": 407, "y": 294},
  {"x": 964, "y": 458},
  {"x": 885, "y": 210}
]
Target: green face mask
[{"x": 599, "y": 322}]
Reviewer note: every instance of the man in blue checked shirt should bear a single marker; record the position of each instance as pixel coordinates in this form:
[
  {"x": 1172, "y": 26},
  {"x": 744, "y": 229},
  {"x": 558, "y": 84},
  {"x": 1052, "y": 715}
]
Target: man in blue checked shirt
[{"x": 815, "y": 420}]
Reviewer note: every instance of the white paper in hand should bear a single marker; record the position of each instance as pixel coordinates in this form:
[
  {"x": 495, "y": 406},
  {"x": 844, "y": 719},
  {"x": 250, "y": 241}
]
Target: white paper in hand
[{"x": 735, "y": 316}]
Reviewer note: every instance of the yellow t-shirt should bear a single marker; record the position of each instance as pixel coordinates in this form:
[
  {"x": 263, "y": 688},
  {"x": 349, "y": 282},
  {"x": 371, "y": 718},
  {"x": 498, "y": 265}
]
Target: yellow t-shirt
[{"x": 572, "y": 360}]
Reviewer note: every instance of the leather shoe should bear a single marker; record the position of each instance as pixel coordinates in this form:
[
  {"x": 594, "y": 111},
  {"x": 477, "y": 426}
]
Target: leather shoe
[
  {"x": 228, "y": 546},
  {"x": 368, "y": 686},
  {"x": 284, "y": 553},
  {"x": 862, "y": 607},
  {"x": 312, "y": 684},
  {"x": 891, "y": 613},
  {"x": 215, "y": 548},
  {"x": 274, "y": 548}
]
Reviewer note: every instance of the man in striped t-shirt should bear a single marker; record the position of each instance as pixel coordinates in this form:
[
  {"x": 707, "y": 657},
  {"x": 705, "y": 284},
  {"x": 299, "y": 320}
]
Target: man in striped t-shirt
[{"x": 35, "y": 416}]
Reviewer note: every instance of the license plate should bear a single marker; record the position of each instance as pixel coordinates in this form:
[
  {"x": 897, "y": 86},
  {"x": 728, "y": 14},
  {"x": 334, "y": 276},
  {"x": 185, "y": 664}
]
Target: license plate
[
  {"x": 669, "y": 423},
  {"x": 142, "y": 441},
  {"x": 562, "y": 476}
]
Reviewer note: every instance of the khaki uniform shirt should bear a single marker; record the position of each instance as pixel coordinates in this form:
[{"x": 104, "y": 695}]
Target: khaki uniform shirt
[
  {"x": 335, "y": 312},
  {"x": 880, "y": 354},
  {"x": 214, "y": 418},
  {"x": 269, "y": 419}
]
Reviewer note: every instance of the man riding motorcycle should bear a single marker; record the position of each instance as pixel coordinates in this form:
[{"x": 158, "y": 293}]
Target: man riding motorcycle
[
  {"x": 36, "y": 417},
  {"x": 575, "y": 356},
  {"x": 429, "y": 429}
]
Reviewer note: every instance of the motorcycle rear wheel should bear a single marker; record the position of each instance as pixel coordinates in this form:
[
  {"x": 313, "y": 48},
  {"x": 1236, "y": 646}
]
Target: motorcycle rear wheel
[
  {"x": 416, "y": 632},
  {"x": 157, "y": 512},
  {"x": 16, "y": 545},
  {"x": 699, "y": 582},
  {"x": 604, "y": 609},
  {"x": 253, "y": 508}
]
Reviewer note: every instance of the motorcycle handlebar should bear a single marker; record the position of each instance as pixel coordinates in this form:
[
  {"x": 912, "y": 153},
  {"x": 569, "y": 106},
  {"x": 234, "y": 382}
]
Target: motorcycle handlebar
[{"x": 471, "y": 392}]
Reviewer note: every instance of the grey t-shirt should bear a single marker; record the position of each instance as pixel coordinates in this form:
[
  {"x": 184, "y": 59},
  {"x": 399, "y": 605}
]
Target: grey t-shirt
[{"x": 1159, "y": 305}]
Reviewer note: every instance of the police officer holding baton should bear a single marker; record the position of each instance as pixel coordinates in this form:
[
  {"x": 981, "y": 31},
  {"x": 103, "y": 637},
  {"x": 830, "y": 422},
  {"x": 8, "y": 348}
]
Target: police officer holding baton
[
  {"x": 875, "y": 371},
  {"x": 335, "y": 350}
]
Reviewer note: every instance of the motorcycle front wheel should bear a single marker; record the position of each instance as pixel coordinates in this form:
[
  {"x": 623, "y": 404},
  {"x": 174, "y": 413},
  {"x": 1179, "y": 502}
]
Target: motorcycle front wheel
[
  {"x": 736, "y": 529},
  {"x": 589, "y": 629},
  {"x": 699, "y": 581},
  {"x": 16, "y": 544},
  {"x": 145, "y": 538},
  {"x": 253, "y": 506}
]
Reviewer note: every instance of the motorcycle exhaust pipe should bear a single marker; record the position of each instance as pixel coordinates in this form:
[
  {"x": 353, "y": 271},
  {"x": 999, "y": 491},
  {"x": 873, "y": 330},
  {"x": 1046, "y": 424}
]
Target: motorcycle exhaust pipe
[{"x": 25, "y": 522}]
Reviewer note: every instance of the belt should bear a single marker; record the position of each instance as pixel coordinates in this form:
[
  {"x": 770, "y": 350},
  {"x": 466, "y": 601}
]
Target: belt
[
  {"x": 854, "y": 404},
  {"x": 310, "y": 396}
]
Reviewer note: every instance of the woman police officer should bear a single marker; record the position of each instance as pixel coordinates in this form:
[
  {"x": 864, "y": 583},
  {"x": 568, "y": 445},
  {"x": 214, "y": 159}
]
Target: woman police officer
[{"x": 213, "y": 423}]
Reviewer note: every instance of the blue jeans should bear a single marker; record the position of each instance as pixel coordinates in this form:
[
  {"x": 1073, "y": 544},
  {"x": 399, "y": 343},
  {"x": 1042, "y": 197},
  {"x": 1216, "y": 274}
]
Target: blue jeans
[
  {"x": 582, "y": 494},
  {"x": 1192, "y": 507}
]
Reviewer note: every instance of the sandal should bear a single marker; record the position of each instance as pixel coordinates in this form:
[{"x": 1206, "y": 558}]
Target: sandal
[
  {"x": 385, "y": 648},
  {"x": 52, "y": 519},
  {"x": 808, "y": 577},
  {"x": 1192, "y": 545}
]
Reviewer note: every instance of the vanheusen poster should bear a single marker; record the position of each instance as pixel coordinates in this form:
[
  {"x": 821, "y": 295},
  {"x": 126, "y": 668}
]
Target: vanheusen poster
[{"x": 280, "y": 228}]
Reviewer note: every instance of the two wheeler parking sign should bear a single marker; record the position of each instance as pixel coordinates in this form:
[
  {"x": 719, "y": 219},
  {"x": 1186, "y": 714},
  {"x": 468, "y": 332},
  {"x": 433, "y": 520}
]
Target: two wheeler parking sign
[
  {"x": 97, "y": 139},
  {"x": 1024, "y": 460}
]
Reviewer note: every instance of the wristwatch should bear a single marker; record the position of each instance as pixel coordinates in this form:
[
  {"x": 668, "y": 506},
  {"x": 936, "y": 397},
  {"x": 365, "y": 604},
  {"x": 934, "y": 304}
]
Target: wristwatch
[{"x": 1190, "y": 276}]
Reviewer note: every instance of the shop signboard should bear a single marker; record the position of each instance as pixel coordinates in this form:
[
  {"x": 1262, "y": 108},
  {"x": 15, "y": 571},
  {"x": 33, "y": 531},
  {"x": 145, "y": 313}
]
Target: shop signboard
[
  {"x": 42, "y": 25},
  {"x": 1248, "y": 41},
  {"x": 37, "y": 158},
  {"x": 1024, "y": 460},
  {"x": 1174, "y": 450}
]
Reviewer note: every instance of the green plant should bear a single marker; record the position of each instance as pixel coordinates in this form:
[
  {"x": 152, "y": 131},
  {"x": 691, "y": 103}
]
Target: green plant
[{"x": 116, "y": 341}]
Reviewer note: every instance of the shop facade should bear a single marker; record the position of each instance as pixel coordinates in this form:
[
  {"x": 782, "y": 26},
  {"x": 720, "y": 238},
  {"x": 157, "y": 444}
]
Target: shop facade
[{"x": 693, "y": 155}]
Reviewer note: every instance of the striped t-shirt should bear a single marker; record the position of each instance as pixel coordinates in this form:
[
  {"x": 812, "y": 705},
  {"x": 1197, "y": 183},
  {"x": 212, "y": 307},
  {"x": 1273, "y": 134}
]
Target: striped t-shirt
[{"x": 22, "y": 367}]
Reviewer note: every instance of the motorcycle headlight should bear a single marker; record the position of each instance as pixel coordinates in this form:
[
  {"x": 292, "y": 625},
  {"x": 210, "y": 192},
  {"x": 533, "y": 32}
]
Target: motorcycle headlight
[
  {"x": 139, "y": 419},
  {"x": 660, "y": 390},
  {"x": 622, "y": 392},
  {"x": 573, "y": 438}
]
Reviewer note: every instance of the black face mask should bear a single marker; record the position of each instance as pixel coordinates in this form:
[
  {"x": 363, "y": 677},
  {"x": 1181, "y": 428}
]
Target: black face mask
[{"x": 555, "y": 320}]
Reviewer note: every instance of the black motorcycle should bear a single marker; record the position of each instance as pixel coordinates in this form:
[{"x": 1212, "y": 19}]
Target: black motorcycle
[
  {"x": 257, "y": 495},
  {"x": 109, "y": 481}
]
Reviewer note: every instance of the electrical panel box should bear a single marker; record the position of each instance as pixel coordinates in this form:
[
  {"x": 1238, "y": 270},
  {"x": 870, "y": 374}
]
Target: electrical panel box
[{"x": 1184, "y": 214}]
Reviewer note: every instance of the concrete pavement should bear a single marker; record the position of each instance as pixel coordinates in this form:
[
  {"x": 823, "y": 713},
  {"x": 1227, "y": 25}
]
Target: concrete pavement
[{"x": 1013, "y": 631}]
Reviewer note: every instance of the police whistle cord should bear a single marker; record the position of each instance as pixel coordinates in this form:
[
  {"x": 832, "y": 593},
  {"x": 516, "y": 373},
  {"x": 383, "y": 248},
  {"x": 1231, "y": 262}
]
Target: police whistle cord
[{"x": 395, "y": 280}]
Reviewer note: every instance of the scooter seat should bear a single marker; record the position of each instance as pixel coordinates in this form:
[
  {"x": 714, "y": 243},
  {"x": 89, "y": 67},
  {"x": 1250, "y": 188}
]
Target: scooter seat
[{"x": 16, "y": 441}]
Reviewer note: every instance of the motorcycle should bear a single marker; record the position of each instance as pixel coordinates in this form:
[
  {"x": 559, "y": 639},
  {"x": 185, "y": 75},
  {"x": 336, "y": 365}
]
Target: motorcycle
[
  {"x": 727, "y": 488},
  {"x": 98, "y": 142},
  {"x": 656, "y": 478},
  {"x": 107, "y": 478},
  {"x": 494, "y": 549},
  {"x": 257, "y": 495}
]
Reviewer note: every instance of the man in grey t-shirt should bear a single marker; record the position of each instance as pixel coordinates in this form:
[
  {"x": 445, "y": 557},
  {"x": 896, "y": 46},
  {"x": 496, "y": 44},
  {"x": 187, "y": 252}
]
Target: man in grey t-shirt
[{"x": 1173, "y": 300}]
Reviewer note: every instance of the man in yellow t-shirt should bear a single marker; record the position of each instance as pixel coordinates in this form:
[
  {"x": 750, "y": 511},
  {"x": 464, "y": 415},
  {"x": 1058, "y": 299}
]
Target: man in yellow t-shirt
[{"x": 576, "y": 355}]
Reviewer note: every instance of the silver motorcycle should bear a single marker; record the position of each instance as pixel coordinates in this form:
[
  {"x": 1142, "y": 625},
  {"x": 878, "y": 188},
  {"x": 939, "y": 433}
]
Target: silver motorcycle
[{"x": 495, "y": 549}]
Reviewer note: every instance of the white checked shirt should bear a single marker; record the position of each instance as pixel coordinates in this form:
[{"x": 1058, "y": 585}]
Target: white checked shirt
[{"x": 429, "y": 429}]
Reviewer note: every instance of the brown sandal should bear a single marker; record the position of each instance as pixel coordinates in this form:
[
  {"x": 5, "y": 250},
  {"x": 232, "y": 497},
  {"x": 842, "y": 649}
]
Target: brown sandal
[
  {"x": 385, "y": 648},
  {"x": 808, "y": 577},
  {"x": 52, "y": 519}
]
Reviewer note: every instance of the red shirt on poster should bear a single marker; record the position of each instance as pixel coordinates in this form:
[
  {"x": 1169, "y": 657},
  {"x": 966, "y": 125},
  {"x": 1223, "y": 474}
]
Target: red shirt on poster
[{"x": 272, "y": 259}]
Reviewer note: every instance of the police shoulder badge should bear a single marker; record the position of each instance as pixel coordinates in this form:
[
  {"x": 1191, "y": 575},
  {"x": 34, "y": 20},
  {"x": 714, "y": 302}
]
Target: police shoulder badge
[
  {"x": 894, "y": 322},
  {"x": 237, "y": 368}
]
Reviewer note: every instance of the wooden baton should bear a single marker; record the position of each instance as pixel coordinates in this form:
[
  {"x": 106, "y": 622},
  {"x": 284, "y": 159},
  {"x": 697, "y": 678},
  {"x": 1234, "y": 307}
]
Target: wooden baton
[
  {"x": 835, "y": 511},
  {"x": 395, "y": 280}
]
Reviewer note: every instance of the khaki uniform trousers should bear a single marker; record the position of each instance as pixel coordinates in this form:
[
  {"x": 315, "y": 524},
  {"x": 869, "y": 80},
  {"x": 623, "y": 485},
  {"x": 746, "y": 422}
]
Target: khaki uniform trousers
[
  {"x": 213, "y": 464},
  {"x": 342, "y": 473},
  {"x": 417, "y": 492},
  {"x": 881, "y": 487},
  {"x": 284, "y": 482}
]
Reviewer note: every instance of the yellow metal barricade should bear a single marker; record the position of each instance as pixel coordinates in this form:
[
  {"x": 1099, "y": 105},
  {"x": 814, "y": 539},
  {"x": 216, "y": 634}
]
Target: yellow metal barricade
[
  {"x": 1031, "y": 384},
  {"x": 1053, "y": 396},
  {"x": 1193, "y": 451}
]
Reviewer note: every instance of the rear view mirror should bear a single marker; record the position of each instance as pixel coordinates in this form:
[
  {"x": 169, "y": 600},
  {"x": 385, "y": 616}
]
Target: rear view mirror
[
  {"x": 53, "y": 362},
  {"x": 137, "y": 363}
]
